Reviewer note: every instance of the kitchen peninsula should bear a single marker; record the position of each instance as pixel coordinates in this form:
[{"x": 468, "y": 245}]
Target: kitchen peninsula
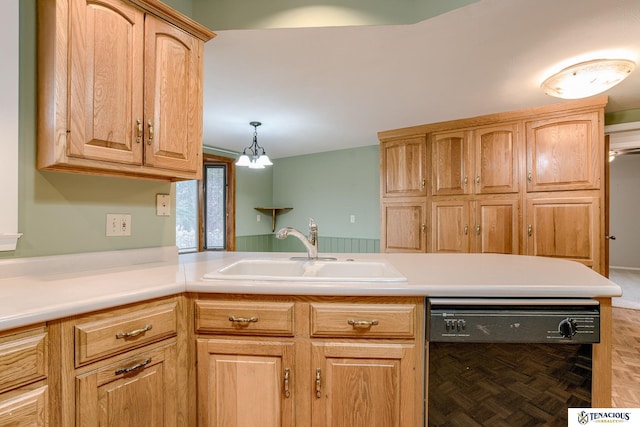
[{"x": 91, "y": 332}]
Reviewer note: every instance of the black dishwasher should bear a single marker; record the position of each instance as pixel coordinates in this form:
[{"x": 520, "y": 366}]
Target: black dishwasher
[{"x": 509, "y": 362}]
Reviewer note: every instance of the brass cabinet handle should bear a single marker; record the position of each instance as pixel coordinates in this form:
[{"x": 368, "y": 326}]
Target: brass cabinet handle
[
  {"x": 478, "y": 179},
  {"x": 287, "y": 373},
  {"x": 529, "y": 230},
  {"x": 530, "y": 176},
  {"x": 318, "y": 384},
  {"x": 466, "y": 229},
  {"x": 135, "y": 367},
  {"x": 134, "y": 333},
  {"x": 424, "y": 183},
  {"x": 150, "y": 131},
  {"x": 477, "y": 230},
  {"x": 423, "y": 228},
  {"x": 362, "y": 323},
  {"x": 465, "y": 180},
  {"x": 139, "y": 126},
  {"x": 235, "y": 319}
]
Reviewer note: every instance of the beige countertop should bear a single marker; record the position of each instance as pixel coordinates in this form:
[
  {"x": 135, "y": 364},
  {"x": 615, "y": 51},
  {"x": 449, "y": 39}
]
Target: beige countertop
[{"x": 45, "y": 288}]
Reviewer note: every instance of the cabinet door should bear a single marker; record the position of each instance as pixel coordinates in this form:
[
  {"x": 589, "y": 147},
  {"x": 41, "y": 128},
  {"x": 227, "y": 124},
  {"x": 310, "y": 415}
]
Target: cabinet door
[
  {"x": 404, "y": 226},
  {"x": 450, "y": 226},
  {"x": 24, "y": 407},
  {"x": 496, "y": 226},
  {"x": 403, "y": 165},
  {"x": 105, "y": 81},
  {"x": 565, "y": 153},
  {"x": 139, "y": 390},
  {"x": 496, "y": 159},
  {"x": 567, "y": 227},
  {"x": 245, "y": 383},
  {"x": 173, "y": 97},
  {"x": 450, "y": 163},
  {"x": 365, "y": 385}
]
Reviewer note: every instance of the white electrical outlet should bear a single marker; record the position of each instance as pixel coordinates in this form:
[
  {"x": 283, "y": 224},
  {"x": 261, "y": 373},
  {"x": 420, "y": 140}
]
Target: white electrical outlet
[
  {"x": 258, "y": 219},
  {"x": 163, "y": 205},
  {"x": 118, "y": 225}
]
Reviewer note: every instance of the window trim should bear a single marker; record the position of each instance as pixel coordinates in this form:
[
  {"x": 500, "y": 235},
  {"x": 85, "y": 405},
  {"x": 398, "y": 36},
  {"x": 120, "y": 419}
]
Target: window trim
[{"x": 230, "y": 236}]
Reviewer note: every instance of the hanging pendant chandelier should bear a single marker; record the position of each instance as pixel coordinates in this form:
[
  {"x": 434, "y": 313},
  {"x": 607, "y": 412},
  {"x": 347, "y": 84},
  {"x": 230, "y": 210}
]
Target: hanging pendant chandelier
[{"x": 254, "y": 156}]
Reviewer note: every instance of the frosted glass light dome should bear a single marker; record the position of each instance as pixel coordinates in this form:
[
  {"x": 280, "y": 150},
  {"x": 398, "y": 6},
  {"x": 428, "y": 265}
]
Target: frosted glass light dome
[{"x": 587, "y": 78}]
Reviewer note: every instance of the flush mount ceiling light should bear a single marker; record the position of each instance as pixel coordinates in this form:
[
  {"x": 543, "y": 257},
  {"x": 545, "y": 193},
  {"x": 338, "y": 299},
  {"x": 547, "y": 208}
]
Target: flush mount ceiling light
[
  {"x": 587, "y": 78},
  {"x": 254, "y": 156}
]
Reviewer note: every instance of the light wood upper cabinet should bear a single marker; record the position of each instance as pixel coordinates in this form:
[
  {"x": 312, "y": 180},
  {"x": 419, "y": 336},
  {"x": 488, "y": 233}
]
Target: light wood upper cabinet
[
  {"x": 478, "y": 161},
  {"x": 404, "y": 167},
  {"x": 565, "y": 153},
  {"x": 496, "y": 159},
  {"x": 119, "y": 89},
  {"x": 451, "y": 163}
]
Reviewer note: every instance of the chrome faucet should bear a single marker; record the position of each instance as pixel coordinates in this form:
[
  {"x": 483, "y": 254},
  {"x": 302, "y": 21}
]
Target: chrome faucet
[{"x": 310, "y": 243}]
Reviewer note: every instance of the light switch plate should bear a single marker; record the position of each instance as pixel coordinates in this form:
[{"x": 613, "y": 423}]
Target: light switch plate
[
  {"x": 118, "y": 225},
  {"x": 163, "y": 205}
]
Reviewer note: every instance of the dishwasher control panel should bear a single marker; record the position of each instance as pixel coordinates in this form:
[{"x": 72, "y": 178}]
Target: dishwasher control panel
[{"x": 514, "y": 320}]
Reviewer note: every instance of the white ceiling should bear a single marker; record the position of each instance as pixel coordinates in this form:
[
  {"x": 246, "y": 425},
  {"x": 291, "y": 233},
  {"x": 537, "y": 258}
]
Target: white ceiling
[{"x": 332, "y": 88}]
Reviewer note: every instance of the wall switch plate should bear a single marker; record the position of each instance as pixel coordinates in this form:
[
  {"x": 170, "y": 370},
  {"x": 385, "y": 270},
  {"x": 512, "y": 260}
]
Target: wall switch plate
[
  {"x": 163, "y": 205},
  {"x": 118, "y": 225},
  {"x": 352, "y": 218}
]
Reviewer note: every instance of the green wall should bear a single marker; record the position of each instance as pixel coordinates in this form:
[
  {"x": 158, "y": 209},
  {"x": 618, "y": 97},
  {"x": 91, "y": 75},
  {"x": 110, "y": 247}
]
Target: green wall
[
  {"x": 61, "y": 213},
  {"x": 251, "y": 14}
]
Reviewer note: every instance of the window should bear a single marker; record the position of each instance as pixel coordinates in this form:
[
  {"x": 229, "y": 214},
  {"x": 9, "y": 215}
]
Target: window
[
  {"x": 205, "y": 210},
  {"x": 215, "y": 186}
]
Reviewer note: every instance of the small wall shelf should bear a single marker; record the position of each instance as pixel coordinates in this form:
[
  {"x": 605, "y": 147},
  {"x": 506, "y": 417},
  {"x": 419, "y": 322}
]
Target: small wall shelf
[{"x": 273, "y": 211}]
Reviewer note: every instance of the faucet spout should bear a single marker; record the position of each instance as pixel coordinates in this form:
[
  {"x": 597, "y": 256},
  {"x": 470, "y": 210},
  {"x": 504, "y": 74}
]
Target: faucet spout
[{"x": 310, "y": 243}]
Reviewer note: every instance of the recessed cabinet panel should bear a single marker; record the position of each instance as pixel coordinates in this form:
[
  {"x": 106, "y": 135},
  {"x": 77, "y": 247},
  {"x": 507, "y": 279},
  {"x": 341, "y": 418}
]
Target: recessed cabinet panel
[
  {"x": 450, "y": 163},
  {"x": 24, "y": 408},
  {"x": 564, "y": 228},
  {"x": 403, "y": 167},
  {"x": 105, "y": 84},
  {"x": 404, "y": 226},
  {"x": 363, "y": 385},
  {"x": 450, "y": 226},
  {"x": 496, "y": 226},
  {"x": 173, "y": 105},
  {"x": 564, "y": 153},
  {"x": 496, "y": 164},
  {"x": 245, "y": 383}
]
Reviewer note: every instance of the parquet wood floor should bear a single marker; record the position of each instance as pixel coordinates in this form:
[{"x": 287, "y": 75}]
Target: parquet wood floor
[{"x": 625, "y": 391}]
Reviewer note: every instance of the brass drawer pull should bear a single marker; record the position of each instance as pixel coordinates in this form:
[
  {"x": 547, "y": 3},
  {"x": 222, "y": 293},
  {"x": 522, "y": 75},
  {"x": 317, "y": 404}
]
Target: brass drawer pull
[
  {"x": 139, "y": 136},
  {"x": 235, "y": 319},
  {"x": 134, "y": 333},
  {"x": 287, "y": 373},
  {"x": 135, "y": 367},
  {"x": 362, "y": 323},
  {"x": 150, "y": 125},
  {"x": 318, "y": 384}
]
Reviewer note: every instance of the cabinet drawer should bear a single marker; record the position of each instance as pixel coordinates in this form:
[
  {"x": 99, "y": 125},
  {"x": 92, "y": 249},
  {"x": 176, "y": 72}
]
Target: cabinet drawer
[
  {"x": 24, "y": 407},
  {"x": 23, "y": 358},
  {"x": 103, "y": 337},
  {"x": 254, "y": 318},
  {"x": 363, "y": 320}
]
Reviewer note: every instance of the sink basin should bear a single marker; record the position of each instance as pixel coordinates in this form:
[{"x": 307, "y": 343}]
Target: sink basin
[{"x": 307, "y": 271}]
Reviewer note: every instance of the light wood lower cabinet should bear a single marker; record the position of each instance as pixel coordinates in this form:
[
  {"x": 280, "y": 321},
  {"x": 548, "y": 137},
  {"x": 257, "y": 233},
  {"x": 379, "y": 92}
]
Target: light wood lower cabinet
[
  {"x": 351, "y": 362},
  {"x": 485, "y": 225},
  {"x": 404, "y": 225},
  {"x": 565, "y": 227},
  {"x": 24, "y": 377},
  {"x": 125, "y": 366}
]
